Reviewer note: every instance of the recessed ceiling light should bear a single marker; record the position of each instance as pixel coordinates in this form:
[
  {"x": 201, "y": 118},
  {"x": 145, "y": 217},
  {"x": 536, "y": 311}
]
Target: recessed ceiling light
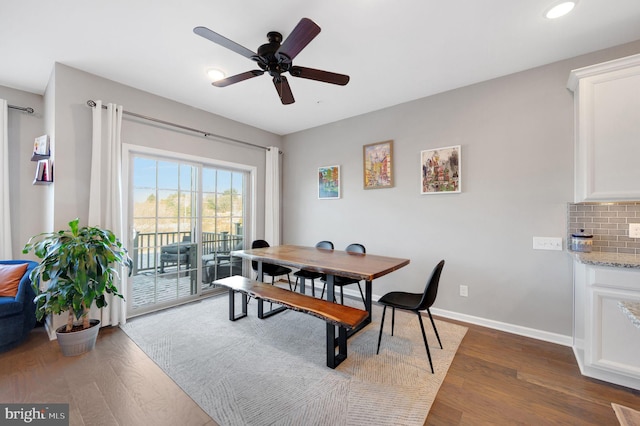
[
  {"x": 215, "y": 74},
  {"x": 560, "y": 9}
]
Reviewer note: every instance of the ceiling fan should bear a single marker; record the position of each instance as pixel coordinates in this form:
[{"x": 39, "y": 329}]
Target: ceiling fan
[{"x": 276, "y": 58}]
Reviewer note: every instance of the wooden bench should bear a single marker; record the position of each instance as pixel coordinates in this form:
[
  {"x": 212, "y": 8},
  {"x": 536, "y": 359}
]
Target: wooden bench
[{"x": 335, "y": 315}]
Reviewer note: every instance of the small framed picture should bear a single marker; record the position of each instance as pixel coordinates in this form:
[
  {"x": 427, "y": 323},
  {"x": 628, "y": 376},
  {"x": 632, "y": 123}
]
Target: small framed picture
[
  {"x": 329, "y": 182},
  {"x": 440, "y": 170},
  {"x": 377, "y": 169},
  {"x": 41, "y": 145}
]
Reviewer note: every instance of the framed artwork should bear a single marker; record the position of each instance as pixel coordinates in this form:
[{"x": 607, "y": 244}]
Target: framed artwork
[
  {"x": 328, "y": 182},
  {"x": 440, "y": 170},
  {"x": 377, "y": 160}
]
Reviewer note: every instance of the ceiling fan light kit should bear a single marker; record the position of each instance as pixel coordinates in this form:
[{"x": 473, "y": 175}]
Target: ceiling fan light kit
[
  {"x": 276, "y": 58},
  {"x": 215, "y": 74}
]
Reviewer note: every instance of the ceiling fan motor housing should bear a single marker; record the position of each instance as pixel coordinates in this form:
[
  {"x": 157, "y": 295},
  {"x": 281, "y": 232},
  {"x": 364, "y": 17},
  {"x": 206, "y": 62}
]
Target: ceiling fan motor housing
[{"x": 268, "y": 60}]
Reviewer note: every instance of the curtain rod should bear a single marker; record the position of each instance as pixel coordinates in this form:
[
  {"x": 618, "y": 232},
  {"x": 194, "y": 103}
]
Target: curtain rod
[
  {"x": 92, "y": 104},
  {"x": 28, "y": 110}
]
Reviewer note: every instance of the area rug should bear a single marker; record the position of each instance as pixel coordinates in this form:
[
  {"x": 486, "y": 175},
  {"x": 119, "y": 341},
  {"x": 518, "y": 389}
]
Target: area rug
[
  {"x": 273, "y": 371},
  {"x": 626, "y": 416}
]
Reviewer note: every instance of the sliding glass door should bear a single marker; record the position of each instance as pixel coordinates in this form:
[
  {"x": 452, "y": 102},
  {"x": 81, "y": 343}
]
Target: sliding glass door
[
  {"x": 222, "y": 223},
  {"x": 185, "y": 218}
]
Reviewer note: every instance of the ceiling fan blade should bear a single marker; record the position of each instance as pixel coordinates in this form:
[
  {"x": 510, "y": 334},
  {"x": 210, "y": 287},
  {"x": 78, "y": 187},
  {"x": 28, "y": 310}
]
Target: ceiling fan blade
[
  {"x": 284, "y": 90},
  {"x": 319, "y": 75},
  {"x": 223, "y": 41},
  {"x": 302, "y": 34},
  {"x": 237, "y": 78}
]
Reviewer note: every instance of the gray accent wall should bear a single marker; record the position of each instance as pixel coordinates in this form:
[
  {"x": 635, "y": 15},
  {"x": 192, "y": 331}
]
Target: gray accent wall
[{"x": 516, "y": 134}]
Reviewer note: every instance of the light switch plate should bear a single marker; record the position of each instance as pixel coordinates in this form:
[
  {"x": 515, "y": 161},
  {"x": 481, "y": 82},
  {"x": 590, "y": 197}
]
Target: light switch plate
[
  {"x": 547, "y": 243},
  {"x": 634, "y": 230}
]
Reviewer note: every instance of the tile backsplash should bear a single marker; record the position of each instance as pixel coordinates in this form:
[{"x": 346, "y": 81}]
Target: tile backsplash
[{"x": 609, "y": 224}]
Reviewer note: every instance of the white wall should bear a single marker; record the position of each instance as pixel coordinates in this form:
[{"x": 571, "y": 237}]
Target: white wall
[
  {"x": 516, "y": 134},
  {"x": 27, "y": 204}
]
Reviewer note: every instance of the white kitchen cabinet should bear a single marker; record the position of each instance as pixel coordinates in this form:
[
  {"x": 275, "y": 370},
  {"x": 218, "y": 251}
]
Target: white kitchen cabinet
[
  {"x": 606, "y": 339},
  {"x": 607, "y": 130}
]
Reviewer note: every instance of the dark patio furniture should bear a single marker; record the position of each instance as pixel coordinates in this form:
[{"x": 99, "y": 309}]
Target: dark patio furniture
[{"x": 177, "y": 254}]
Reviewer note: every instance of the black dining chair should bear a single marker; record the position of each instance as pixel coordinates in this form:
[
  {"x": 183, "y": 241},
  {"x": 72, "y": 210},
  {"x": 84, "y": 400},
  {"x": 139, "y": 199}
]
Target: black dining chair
[
  {"x": 313, "y": 275},
  {"x": 414, "y": 302},
  {"x": 339, "y": 281},
  {"x": 268, "y": 268}
]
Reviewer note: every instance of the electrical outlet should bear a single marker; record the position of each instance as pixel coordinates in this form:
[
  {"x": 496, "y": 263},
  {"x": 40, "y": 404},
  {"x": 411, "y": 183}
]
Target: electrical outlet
[
  {"x": 464, "y": 291},
  {"x": 634, "y": 230},
  {"x": 547, "y": 243}
]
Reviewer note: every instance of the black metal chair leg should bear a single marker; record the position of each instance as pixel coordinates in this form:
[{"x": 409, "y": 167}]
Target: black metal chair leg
[
  {"x": 362, "y": 294},
  {"x": 393, "y": 318},
  {"x": 434, "y": 327},
  {"x": 384, "y": 310},
  {"x": 426, "y": 345}
]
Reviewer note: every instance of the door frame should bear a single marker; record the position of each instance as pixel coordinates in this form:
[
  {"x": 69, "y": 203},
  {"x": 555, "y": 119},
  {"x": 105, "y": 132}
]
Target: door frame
[{"x": 129, "y": 150}]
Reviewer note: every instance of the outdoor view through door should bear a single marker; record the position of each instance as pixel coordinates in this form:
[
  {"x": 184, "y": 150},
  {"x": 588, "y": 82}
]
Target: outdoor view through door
[{"x": 186, "y": 219}]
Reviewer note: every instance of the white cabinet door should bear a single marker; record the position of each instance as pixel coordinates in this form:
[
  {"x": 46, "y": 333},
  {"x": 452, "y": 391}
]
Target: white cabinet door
[
  {"x": 606, "y": 340},
  {"x": 607, "y": 126}
]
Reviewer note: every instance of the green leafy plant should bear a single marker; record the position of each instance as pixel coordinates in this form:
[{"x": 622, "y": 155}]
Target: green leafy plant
[{"x": 77, "y": 267}]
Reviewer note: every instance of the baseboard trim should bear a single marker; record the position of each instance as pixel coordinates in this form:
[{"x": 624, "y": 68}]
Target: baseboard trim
[
  {"x": 532, "y": 333},
  {"x": 546, "y": 336}
]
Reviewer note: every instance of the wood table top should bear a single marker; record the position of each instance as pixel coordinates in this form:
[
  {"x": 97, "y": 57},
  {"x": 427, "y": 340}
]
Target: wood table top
[{"x": 334, "y": 262}]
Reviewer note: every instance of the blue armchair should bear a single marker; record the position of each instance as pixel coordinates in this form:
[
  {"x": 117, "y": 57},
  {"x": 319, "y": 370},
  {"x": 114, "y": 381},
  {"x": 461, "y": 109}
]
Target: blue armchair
[{"x": 17, "y": 314}]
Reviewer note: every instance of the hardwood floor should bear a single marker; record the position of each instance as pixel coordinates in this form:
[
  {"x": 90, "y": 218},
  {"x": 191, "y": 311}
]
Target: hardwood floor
[
  {"x": 115, "y": 384},
  {"x": 501, "y": 378},
  {"x": 495, "y": 378}
]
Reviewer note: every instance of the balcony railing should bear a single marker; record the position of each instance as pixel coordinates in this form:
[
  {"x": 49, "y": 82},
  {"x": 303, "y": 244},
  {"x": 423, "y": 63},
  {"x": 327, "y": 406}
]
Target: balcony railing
[{"x": 147, "y": 247}]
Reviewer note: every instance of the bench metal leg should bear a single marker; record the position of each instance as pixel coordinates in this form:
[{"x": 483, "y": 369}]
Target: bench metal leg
[
  {"x": 262, "y": 314},
  {"x": 232, "y": 306},
  {"x": 334, "y": 359}
]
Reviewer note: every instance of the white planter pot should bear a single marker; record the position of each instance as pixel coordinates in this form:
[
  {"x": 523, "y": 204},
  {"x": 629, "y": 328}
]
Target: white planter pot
[{"x": 78, "y": 342}]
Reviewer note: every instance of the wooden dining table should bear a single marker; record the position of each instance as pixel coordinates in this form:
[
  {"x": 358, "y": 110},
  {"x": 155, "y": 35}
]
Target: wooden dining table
[{"x": 363, "y": 267}]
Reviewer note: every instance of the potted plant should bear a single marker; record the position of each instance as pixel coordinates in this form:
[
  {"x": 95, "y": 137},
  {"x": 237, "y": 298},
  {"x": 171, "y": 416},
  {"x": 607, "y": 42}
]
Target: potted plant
[{"x": 78, "y": 268}]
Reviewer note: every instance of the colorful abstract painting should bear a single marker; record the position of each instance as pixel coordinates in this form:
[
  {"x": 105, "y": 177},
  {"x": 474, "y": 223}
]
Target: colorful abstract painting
[
  {"x": 440, "y": 170},
  {"x": 329, "y": 182},
  {"x": 377, "y": 165}
]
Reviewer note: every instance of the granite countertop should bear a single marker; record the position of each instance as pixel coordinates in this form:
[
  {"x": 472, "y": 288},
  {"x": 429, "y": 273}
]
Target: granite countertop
[
  {"x": 599, "y": 258},
  {"x": 631, "y": 310}
]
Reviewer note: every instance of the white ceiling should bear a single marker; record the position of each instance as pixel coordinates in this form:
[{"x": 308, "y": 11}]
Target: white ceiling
[{"x": 394, "y": 50}]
